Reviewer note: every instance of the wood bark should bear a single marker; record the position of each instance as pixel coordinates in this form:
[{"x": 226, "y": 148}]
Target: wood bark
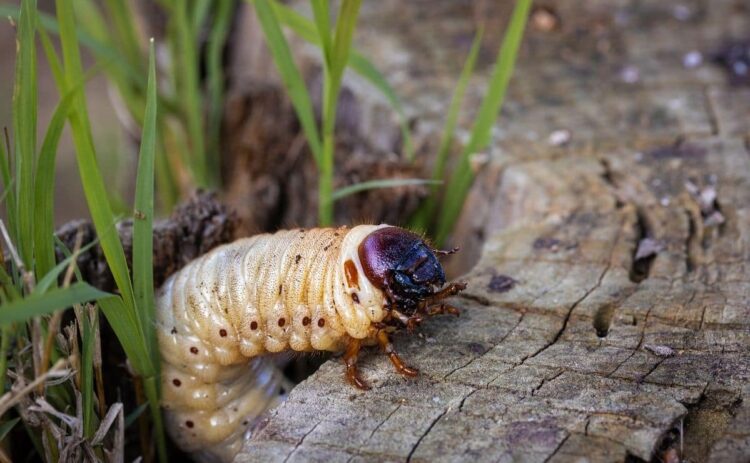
[
  {"x": 608, "y": 315},
  {"x": 196, "y": 226}
]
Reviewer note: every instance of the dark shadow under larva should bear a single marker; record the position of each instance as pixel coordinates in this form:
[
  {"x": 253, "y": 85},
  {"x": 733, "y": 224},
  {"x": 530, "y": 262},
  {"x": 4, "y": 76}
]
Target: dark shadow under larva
[{"x": 320, "y": 289}]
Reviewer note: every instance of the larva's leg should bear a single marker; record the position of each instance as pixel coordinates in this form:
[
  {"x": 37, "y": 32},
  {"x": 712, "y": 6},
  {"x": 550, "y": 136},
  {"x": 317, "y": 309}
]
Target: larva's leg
[
  {"x": 350, "y": 360},
  {"x": 450, "y": 290},
  {"x": 387, "y": 347},
  {"x": 410, "y": 323},
  {"x": 443, "y": 309}
]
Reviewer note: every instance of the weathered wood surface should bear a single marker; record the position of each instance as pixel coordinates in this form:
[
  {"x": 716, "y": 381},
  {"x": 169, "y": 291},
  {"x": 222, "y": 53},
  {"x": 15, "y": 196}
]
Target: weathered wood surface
[{"x": 610, "y": 307}]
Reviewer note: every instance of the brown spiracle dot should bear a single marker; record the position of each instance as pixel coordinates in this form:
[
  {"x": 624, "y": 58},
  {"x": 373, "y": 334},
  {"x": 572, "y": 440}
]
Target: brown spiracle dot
[
  {"x": 177, "y": 382},
  {"x": 174, "y": 331},
  {"x": 297, "y": 259},
  {"x": 254, "y": 326},
  {"x": 223, "y": 333},
  {"x": 306, "y": 321},
  {"x": 282, "y": 321},
  {"x": 194, "y": 350},
  {"x": 355, "y": 298},
  {"x": 189, "y": 424},
  {"x": 322, "y": 322}
]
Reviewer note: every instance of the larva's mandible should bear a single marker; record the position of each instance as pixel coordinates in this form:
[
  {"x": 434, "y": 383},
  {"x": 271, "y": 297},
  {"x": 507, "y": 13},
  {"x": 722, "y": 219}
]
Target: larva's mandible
[{"x": 317, "y": 289}]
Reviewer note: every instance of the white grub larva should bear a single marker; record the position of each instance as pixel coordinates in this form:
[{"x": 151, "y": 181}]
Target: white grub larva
[{"x": 317, "y": 289}]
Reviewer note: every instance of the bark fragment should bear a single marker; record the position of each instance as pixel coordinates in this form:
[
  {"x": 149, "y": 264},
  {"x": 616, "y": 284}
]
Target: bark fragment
[{"x": 195, "y": 227}]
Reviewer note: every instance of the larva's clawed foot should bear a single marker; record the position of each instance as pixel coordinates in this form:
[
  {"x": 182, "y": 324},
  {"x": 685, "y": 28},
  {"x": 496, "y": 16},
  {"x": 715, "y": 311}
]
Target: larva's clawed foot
[
  {"x": 413, "y": 322},
  {"x": 350, "y": 360},
  {"x": 410, "y": 322},
  {"x": 443, "y": 309},
  {"x": 450, "y": 290},
  {"x": 399, "y": 364},
  {"x": 352, "y": 375},
  {"x": 401, "y": 367}
]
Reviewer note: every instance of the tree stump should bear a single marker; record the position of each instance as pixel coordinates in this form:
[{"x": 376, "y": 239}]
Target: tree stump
[{"x": 608, "y": 316}]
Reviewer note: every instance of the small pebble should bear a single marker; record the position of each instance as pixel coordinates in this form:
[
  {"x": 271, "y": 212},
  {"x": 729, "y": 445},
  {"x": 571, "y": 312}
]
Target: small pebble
[
  {"x": 545, "y": 19},
  {"x": 692, "y": 59},
  {"x": 478, "y": 160},
  {"x": 559, "y": 137},
  {"x": 661, "y": 351},
  {"x": 648, "y": 247},
  {"x": 630, "y": 74},
  {"x": 665, "y": 201},
  {"x": 715, "y": 218},
  {"x": 681, "y": 12}
]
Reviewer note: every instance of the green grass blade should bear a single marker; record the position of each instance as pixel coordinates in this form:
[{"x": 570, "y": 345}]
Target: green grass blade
[
  {"x": 54, "y": 299},
  {"x": 151, "y": 388},
  {"x": 24, "y": 126},
  {"x": 6, "y": 333},
  {"x": 342, "y": 39},
  {"x": 369, "y": 72},
  {"x": 449, "y": 129},
  {"x": 301, "y": 25},
  {"x": 381, "y": 183},
  {"x": 426, "y": 212},
  {"x": 322, "y": 15},
  {"x": 501, "y": 74},
  {"x": 95, "y": 41},
  {"x": 186, "y": 57},
  {"x": 91, "y": 177},
  {"x": 9, "y": 187},
  {"x": 223, "y": 13},
  {"x": 333, "y": 73},
  {"x": 6, "y": 427},
  {"x": 290, "y": 74},
  {"x": 87, "y": 374},
  {"x": 120, "y": 14},
  {"x": 44, "y": 248},
  {"x": 102, "y": 50},
  {"x": 108, "y": 39},
  {"x": 53, "y": 59},
  {"x": 481, "y": 131},
  {"x": 306, "y": 29},
  {"x": 143, "y": 279},
  {"x": 125, "y": 324},
  {"x": 8, "y": 286},
  {"x": 51, "y": 277},
  {"x": 132, "y": 416},
  {"x": 143, "y": 242},
  {"x": 199, "y": 15}
]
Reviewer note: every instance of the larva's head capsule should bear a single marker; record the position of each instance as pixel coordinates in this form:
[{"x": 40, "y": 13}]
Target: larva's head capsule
[{"x": 402, "y": 265}]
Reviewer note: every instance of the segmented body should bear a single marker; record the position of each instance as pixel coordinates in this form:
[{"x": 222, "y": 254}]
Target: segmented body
[{"x": 302, "y": 290}]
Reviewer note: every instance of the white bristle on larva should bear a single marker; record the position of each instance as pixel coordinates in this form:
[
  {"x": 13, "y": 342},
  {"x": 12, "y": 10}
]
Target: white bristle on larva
[{"x": 300, "y": 290}]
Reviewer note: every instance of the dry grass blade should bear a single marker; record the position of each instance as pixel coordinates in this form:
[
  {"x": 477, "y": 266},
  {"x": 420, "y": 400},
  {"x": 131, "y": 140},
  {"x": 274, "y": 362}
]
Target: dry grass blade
[
  {"x": 9, "y": 399},
  {"x": 115, "y": 412},
  {"x": 53, "y": 326}
]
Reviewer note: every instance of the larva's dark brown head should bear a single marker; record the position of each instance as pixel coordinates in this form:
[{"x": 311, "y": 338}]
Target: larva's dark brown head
[{"x": 401, "y": 264}]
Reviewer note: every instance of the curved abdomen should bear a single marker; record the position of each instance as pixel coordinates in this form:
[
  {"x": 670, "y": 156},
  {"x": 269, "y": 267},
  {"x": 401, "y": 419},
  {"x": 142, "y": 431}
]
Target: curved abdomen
[{"x": 215, "y": 317}]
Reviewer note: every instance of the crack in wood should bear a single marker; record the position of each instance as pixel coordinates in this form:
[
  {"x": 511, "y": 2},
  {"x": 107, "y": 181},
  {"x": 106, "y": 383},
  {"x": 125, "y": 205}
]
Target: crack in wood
[
  {"x": 298, "y": 444},
  {"x": 559, "y": 446},
  {"x": 427, "y": 431}
]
